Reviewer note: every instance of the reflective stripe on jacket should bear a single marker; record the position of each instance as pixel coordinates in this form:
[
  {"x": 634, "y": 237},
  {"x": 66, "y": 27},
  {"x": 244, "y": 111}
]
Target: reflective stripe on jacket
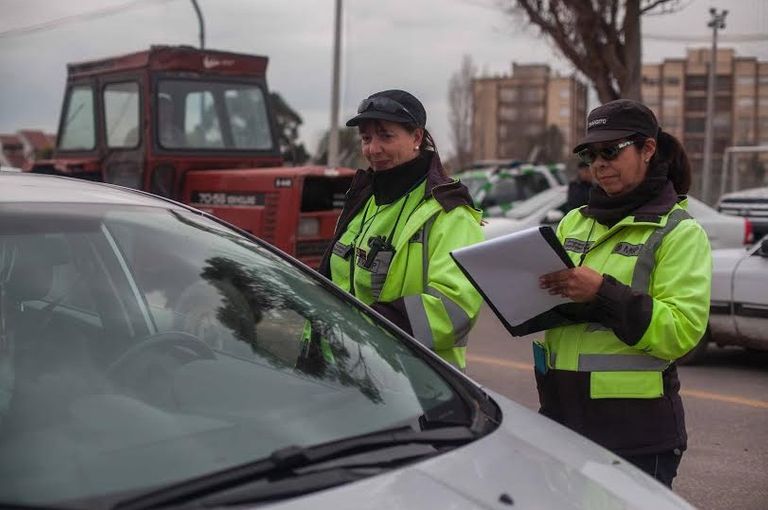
[
  {"x": 420, "y": 279},
  {"x": 666, "y": 262}
]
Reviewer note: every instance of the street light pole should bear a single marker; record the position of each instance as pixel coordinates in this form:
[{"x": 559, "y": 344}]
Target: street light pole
[
  {"x": 716, "y": 22},
  {"x": 333, "y": 134},
  {"x": 201, "y": 24}
]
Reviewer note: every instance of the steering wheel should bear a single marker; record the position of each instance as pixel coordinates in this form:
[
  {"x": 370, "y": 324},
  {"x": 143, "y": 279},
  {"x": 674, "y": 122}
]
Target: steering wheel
[{"x": 171, "y": 342}]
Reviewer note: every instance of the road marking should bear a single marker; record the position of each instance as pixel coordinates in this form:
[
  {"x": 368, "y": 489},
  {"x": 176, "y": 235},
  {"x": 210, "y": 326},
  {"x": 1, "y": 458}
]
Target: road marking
[
  {"x": 500, "y": 362},
  {"x": 760, "y": 404},
  {"x": 706, "y": 395}
]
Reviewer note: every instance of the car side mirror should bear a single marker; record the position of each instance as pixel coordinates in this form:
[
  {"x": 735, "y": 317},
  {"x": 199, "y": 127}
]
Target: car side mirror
[{"x": 554, "y": 216}]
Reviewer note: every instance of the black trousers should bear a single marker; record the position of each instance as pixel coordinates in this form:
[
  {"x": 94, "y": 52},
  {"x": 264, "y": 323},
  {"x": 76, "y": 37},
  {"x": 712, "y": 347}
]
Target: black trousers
[{"x": 661, "y": 466}]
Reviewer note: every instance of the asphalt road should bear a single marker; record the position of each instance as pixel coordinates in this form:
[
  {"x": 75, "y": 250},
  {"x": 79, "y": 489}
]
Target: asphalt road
[{"x": 726, "y": 405}]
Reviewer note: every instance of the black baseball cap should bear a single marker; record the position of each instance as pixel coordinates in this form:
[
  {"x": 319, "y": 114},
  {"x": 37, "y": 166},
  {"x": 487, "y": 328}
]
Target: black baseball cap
[
  {"x": 393, "y": 105},
  {"x": 619, "y": 119}
]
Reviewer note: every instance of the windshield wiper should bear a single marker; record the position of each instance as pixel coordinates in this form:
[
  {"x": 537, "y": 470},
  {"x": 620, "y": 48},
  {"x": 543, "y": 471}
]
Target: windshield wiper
[{"x": 287, "y": 463}]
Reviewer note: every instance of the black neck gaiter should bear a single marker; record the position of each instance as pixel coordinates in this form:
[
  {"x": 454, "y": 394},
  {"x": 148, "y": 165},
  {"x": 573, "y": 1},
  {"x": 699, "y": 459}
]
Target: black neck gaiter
[
  {"x": 389, "y": 185},
  {"x": 609, "y": 210}
]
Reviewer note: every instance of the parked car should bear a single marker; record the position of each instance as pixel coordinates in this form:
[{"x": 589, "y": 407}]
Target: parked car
[
  {"x": 155, "y": 356},
  {"x": 724, "y": 231},
  {"x": 497, "y": 186},
  {"x": 749, "y": 203},
  {"x": 739, "y": 302},
  {"x": 545, "y": 208}
]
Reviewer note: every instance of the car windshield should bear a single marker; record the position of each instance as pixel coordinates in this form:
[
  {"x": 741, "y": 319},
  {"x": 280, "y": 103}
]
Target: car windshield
[
  {"x": 474, "y": 183},
  {"x": 212, "y": 115},
  {"x": 142, "y": 346},
  {"x": 507, "y": 188}
]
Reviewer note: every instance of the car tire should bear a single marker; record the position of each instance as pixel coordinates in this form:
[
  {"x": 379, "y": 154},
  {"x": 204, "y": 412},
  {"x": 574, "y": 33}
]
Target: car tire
[{"x": 698, "y": 353}]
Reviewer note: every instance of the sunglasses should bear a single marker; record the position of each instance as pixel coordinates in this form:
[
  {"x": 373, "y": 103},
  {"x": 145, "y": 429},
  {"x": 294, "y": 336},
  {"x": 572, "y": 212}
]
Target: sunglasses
[
  {"x": 588, "y": 155},
  {"x": 386, "y": 105}
]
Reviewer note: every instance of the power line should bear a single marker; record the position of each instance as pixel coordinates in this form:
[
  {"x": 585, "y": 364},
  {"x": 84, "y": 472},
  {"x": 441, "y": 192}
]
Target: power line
[
  {"x": 731, "y": 38},
  {"x": 75, "y": 18}
]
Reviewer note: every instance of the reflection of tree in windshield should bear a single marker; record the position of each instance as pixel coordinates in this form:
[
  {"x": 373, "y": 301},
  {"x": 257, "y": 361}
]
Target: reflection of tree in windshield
[
  {"x": 248, "y": 293},
  {"x": 309, "y": 299},
  {"x": 233, "y": 284}
]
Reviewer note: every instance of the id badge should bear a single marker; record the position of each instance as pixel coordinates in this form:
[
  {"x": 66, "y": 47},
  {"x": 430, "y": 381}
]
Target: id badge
[
  {"x": 540, "y": 358},
  {"x": 379, "y": 271}
]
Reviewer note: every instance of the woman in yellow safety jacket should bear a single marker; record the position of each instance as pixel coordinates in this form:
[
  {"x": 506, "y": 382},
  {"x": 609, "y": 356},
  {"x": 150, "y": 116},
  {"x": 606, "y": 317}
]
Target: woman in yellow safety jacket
[
  {"x": 401, "y": 219},
  {"x": 640, "y": 289}
]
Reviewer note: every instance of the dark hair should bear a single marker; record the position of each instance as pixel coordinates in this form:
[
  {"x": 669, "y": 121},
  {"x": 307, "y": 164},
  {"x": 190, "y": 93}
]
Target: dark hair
[
  {"x": 670, "y": 152},
  {"x": 427, "y": 142}
]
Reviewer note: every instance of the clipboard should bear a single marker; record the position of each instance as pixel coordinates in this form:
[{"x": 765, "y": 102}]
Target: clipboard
[{"x": 506, "y": 272}]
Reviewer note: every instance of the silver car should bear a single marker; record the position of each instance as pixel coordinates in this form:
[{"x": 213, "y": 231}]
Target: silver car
[
  {"x": 153, "y": 356},
  {"x": 723, "y": 230},
  {"x": 739, "y": 312}
]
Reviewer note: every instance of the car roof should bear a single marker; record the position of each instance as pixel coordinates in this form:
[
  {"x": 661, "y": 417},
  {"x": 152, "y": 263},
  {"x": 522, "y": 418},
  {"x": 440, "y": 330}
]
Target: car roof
[
  {"x": 38, "y": 188},
  {"x": 746, "y": 193}
]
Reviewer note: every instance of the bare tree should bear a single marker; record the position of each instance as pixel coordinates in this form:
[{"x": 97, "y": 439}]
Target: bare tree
[
  {"x": 350, "y": 154},
  {"x": 600, "y": 37},
  {"x": 460, "y": 114},
  {"x": 287, "y": 122}
]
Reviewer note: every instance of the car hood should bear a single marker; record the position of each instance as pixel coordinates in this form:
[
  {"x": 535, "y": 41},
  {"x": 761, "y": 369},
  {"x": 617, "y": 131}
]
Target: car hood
[
  {"x": 495, "y": 227},
  {"x": 529, "y": 461}
]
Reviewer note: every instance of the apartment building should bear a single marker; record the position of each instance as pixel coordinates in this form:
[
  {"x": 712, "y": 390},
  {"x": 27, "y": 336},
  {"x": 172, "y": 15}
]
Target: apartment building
[
  {"x": 676, "y": 90},
  {"x": 514, "y": 113}
]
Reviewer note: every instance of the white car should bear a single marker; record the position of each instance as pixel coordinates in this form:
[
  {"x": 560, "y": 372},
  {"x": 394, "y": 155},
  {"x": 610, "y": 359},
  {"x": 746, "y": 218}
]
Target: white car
[
  {"x": 749, "y": 203},
  {"x": 497, "y": 187},
  {"x": 544, "y": 208},
  {"x": 724, "y": 231},
  {"x": 739, "y": 303},
  {"x": 153, "y": 356}
]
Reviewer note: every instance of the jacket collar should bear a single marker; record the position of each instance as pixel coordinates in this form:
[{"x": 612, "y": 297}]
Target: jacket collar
[
  {"x": 449, "y": 193},
  {"x": 658, "y": 206}
]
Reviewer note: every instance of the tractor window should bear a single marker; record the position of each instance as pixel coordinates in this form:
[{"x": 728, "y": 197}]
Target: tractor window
[
  {"x": 201, "y": 122},
  {"x": 121, "y": 112},
  {"x": 212, "y": 115},
  {"x": 248, "y": 113},
  {"x": 78, "y": 130}
]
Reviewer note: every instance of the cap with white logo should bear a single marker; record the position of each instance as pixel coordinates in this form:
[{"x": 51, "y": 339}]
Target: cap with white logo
[{"x": 619, "y": 119}]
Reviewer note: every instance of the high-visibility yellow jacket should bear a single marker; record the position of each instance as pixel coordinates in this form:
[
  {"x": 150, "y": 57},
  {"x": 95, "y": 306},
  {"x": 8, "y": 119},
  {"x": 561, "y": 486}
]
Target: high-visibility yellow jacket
[
  {"x": 611, "y": 375},
  {"x": 396, "y": 258}
]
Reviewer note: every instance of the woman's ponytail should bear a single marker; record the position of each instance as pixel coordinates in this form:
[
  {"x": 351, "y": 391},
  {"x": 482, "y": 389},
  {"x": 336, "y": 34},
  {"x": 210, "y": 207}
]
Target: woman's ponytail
[{"x": 670, "y": 151}]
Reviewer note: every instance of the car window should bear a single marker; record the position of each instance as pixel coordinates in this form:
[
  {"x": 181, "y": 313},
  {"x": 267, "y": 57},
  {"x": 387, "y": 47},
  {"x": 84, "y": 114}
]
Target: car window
[
  {"x": 162, "y": 346},
  {"x": 508, "y": 188},
  {"x": 474, "y": 184}
]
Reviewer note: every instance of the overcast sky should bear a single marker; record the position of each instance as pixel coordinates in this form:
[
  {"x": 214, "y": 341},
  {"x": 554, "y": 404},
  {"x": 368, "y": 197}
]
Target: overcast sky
[{"x": 411, "y": 44}]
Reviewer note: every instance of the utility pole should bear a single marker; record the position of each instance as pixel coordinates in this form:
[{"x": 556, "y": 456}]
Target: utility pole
[
  {"x": 716, "y": 22},
  {"x": 333, "y": 135},
  {"x": 200, "y": 23}
]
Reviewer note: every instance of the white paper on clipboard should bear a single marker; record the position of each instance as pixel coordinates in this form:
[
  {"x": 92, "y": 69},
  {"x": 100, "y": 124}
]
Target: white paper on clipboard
[{"x": 506, "y": 271}]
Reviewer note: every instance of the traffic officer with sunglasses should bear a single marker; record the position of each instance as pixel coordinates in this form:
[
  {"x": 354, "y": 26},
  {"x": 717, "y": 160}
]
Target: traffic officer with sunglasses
[
  {"x": 639, "y": 291},
  {"x": 401, "y": 219}
]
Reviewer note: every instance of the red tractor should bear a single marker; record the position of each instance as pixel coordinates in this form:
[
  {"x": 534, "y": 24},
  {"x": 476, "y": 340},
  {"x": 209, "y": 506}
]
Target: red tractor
[{"x": 195, "y": 126}]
